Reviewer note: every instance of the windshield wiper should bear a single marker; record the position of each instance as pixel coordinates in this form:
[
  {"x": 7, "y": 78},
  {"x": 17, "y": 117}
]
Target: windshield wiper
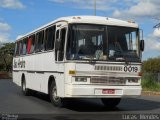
[
  {"x": 120, "y": 59},
  {"x": 123, "y": 59},
  {"x": 89, "y": 59}
]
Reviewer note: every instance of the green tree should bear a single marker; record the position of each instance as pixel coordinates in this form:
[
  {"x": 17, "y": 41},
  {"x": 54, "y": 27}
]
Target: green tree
[{"x": 6, "y": 56}]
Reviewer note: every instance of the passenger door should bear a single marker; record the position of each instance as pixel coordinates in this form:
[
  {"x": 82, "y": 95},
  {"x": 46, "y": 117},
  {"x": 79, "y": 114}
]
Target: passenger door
[{"x": 61, "y": 30}]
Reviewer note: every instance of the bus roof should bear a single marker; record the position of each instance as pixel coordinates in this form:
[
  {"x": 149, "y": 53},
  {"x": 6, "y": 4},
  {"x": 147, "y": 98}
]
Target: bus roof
[{"x": 88, "y": 20}]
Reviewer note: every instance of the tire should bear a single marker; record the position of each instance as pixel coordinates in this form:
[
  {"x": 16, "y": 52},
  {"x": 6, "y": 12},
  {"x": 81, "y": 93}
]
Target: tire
[
  {"x": 111, "y": 102},
  {"x": 55, "y": 100},
  {"x": 25, "y": 90}
]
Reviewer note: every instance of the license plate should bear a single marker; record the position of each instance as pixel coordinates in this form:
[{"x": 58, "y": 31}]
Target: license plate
[{"x": 108, "y": 91}]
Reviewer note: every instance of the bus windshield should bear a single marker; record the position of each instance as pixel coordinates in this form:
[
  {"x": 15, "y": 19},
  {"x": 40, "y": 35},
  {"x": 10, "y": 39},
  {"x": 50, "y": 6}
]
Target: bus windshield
[{"x": 102, "y": 43}]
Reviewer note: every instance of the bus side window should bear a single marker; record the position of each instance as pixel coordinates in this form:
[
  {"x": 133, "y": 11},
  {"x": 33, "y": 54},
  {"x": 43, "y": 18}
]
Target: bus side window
[
  {"x": 15, "y": 49},
  {"x": 20, "y": 47},
  {"x": 24, "y": 46},
  {"x": 50, "y": 38},
  {"x": 39, "y": 41},
  {"x": 31, "y": 44}
]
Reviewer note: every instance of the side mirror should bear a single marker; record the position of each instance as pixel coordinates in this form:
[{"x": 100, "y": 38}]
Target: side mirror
[{"x": 142, "y": 45}]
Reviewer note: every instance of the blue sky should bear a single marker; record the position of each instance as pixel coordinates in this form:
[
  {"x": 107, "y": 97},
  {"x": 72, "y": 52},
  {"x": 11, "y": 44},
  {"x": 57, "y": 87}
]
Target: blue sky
[{"x": 18, "y": 17}]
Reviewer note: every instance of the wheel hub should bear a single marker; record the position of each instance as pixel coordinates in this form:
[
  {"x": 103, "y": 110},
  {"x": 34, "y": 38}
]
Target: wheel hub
[
  {"x": 54, "y": 94},
  {"x": 24, "y": 86}
]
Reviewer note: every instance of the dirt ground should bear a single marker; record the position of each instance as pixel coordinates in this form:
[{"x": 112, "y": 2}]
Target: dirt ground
[{"x": 5, "y": 75}]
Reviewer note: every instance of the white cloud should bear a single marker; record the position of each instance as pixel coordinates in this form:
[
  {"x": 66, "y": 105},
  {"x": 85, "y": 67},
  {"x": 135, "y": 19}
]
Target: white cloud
[
  {"x": 139, "y": 9},
  {"x": 153, "y": 41},
  {"x": 4, "y": 32},
  {"x": 120, "y": 9},
  {"x": 4, "y": 27},
  {"x": 87, "y": 4},
  {"x": 156, "y": 33},
  {"x": 58, "y": 1},
  {"x": 12, "y": 4},
  {"x": 4, "y": 37}
]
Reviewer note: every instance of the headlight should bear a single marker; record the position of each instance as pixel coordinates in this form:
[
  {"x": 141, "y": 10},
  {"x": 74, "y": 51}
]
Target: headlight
[{"x": 81, "y": 79}]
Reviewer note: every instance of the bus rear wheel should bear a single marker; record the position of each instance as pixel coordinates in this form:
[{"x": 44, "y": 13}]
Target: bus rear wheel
[
  {"x": 111, "y": 102},
  {"x": 56, "y": 100},
  {"x": 25, "y": 90}
]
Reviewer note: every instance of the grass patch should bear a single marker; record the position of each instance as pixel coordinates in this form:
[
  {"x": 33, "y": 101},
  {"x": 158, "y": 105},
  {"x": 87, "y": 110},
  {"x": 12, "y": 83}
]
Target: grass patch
[{"x": 150, "y": 85}]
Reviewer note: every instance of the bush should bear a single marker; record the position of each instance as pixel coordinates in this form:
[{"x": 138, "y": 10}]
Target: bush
[
  {"x": 2, "y": 67},
  {"x": 150, "y": 85},
  {"x": 151, "y": 65},
  {"x": 150, "y": 69},
  {"x": 6, "y": 56},
  {"x": 150, "y": 76}
]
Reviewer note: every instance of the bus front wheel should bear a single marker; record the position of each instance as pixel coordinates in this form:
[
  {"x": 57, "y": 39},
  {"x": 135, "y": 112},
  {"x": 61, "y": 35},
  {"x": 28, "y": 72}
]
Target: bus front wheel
[
  {"x": 25, "y": 90},
  {"x": 111, "y": 102},
  {"x": 56, "y": 100}
]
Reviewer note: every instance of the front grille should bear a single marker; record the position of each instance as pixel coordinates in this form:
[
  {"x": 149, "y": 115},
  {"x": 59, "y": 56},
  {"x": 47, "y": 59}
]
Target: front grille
[
  {"x": 108, "y": 80},
  {"x": 109, "y": 68}
]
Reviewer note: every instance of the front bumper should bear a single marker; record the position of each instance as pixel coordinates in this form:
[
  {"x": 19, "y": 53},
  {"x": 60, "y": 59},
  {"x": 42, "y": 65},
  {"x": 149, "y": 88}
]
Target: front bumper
[{"x": 95, "y": 91}]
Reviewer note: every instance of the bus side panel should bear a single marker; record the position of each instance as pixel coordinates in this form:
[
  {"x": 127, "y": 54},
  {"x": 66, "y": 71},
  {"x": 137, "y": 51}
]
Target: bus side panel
[
  {"x": 37, "y": 70},
  {"x": 59, "y": 79},
  {"x": 60, "y": 84},
  {"x": 30, "y": 73},
  {"x": 30, "y": 80},
  {"x": 17, "y": 78},
  {"x": 50, "y": 68},
  {"x": 17, "y": 73}
]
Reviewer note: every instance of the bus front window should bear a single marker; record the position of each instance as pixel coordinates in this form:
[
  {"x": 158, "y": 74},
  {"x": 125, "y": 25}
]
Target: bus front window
[
  {"x": 87, "y": 42},
  {"x": 123, "y": 43},
  {"x": 100, "y": 42}
]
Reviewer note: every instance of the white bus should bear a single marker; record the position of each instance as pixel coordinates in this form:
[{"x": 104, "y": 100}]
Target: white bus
[{"x": 81, "y": 57}]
